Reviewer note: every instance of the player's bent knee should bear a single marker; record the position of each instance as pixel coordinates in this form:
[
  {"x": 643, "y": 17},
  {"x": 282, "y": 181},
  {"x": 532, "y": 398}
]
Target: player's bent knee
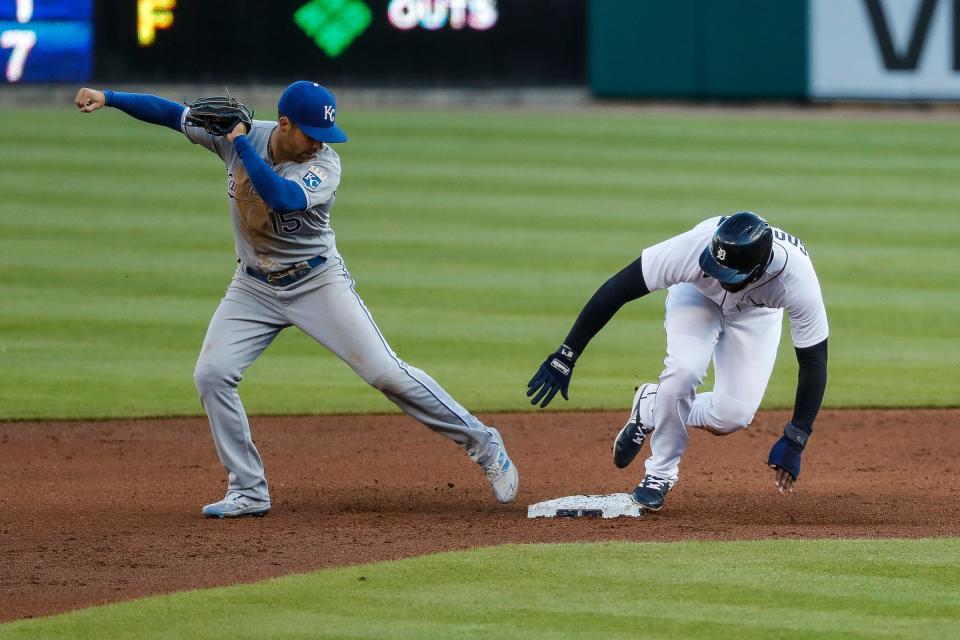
[
  {"x": 717, "y": 431},
  {"x": 209, "y": 376},
  {"x": 728, "y": 417}
]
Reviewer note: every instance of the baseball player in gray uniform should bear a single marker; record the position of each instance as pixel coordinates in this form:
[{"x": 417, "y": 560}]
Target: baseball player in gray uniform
[
  {"x": 282, "y": 180},
  {"x": 728, "y": 281}
]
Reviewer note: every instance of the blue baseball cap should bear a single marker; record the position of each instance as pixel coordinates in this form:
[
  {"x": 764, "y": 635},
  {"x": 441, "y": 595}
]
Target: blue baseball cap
[{"x": 313, "y": 109}]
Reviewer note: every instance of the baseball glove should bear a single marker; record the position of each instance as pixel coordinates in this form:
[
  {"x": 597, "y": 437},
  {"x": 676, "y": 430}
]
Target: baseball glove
[{"x": 218, "y": 114}]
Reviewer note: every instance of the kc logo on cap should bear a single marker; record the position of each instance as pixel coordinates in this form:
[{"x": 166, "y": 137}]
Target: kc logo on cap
[{"x": 313, "y": 109}]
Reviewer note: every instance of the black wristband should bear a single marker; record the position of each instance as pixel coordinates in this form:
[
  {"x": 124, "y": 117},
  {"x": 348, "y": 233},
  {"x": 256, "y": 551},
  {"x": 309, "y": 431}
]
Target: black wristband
[
  {"x": 796, "y": 435},
  {"x": 568, "y": 353}
]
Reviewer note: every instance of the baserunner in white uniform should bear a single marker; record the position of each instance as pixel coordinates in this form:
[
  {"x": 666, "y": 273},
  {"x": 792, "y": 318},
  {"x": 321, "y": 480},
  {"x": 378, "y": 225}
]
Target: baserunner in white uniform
[
  {"x": 282, "y": 179},
  {"x": 728, "y": 281}
]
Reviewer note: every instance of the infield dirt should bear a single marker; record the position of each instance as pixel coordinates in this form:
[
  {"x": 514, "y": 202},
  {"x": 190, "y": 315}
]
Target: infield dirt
[{"x": 96, "y": 512}]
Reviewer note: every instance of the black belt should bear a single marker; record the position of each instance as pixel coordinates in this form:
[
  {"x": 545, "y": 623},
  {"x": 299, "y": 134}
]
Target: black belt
[{"x": 289, "y": 275}]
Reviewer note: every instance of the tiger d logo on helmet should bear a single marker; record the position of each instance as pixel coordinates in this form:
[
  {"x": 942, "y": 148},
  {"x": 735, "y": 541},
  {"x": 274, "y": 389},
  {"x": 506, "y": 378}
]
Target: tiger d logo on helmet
[{"x": 739, "y": 251}]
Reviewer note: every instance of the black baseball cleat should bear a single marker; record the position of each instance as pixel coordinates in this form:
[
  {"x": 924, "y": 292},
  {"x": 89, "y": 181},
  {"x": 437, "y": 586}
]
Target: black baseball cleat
[
  {"x": 650, "y": 493},
  {"x": 631, "y": 438}
]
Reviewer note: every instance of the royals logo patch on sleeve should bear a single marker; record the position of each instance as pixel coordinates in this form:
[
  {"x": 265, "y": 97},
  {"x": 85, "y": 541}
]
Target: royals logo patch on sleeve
[{"x": 313, "y": 178}]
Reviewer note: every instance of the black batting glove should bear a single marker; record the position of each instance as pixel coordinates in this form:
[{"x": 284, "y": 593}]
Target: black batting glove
[
  {"x": 785, "y": 456},
  {"x": 552, "y": 376}
]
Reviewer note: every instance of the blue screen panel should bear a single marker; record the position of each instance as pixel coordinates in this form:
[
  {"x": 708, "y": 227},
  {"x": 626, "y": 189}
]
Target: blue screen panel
[
  {"x": 47, "y": 10},
  {"x": 62, "y": 52}
]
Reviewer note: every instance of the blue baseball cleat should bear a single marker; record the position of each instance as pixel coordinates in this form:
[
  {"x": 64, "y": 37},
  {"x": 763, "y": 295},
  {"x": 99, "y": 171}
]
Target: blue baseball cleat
[
  {"x": 650, "y": 493},
  {"x": 235, "y": 505}
]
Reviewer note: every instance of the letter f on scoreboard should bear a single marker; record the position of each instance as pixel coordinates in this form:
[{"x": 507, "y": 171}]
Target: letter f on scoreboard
[{"x": 153, "y": 15}]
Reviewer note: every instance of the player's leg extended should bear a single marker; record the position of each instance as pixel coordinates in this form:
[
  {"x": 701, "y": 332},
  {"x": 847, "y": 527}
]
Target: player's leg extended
[
  {"x": 742, "y": 363},
  {"x": 330, "y": 311},
  {"x": 243, "y": 326},
  {"x": 692, "y": 324}
]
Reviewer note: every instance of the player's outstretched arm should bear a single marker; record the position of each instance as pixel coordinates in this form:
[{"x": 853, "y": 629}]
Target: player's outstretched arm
[
  {"x": 785, "y": 455},
  {"x": 554, "y": 374},
  {"x": 142, "y": 106},
  {"x": 89, "y": 100}
]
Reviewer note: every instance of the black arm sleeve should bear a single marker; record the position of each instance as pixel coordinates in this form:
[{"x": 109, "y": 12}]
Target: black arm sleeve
[
  {"x": 626, "y": 285},
  {"x": 811, "y": 383}
]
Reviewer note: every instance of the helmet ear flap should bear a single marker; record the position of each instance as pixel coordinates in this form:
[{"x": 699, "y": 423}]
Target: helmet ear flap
[{"x": 766, "y": 256}]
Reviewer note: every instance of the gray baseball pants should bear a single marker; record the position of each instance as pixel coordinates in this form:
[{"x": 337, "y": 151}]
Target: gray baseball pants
[{"x": 326, "y": 307}]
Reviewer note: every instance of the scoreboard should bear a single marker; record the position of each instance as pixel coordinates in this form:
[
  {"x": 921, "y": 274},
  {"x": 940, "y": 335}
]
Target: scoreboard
[
  {"x": 355, "y": 42},
  {"x": 46, "y": 40},
  {"x": 348, "y": 42}
]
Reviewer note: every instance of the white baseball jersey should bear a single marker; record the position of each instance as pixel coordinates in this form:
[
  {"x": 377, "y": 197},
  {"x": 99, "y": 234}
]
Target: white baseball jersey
[
  {"x": 265, "y": 239},
  {"x": 789, "y": 283}
]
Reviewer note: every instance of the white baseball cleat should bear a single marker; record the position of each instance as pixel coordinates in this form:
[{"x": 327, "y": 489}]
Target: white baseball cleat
[
  {"x": 500, "y": 471},
  {"x": 235, "y": 505}
]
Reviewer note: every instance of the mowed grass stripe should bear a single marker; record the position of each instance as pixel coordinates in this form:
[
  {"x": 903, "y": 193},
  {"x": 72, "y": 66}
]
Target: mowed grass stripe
[
  {"x": 475, "y": 239},
  {"x": 784, "y": 589}
]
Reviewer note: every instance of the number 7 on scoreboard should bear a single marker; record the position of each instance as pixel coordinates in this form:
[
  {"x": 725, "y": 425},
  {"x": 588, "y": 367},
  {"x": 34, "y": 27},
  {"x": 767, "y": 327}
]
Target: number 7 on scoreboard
[{"x": 21, "y": 41}]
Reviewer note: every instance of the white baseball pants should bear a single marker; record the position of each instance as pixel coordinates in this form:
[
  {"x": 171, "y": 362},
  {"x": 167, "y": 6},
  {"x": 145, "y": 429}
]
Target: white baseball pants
[{"x": 743, "y": 346}]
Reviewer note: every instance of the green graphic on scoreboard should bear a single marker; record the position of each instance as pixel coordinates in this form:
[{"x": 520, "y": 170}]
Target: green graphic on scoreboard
[{"x": 333, "y": 24}]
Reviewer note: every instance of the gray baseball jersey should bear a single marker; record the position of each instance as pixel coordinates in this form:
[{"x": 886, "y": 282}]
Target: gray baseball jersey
[{"x": 266, "y": 240}]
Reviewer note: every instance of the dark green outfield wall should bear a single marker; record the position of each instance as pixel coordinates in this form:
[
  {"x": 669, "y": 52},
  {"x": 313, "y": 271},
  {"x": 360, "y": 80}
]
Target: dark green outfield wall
[{"x": 659, "y": 48}]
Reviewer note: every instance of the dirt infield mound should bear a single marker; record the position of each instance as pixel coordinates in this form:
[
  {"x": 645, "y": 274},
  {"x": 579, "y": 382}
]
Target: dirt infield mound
[{"x": 95, "y": 512}]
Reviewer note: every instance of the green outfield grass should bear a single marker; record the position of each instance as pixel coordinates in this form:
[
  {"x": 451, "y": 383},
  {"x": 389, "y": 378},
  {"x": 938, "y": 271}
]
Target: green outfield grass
[
  {"x": 475, "y": 238},
  {"x": 772, "y": 589}
]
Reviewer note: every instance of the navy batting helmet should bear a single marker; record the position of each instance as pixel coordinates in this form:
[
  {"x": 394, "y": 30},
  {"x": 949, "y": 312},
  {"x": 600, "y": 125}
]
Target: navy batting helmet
[{"x": 739, "y": 251}]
